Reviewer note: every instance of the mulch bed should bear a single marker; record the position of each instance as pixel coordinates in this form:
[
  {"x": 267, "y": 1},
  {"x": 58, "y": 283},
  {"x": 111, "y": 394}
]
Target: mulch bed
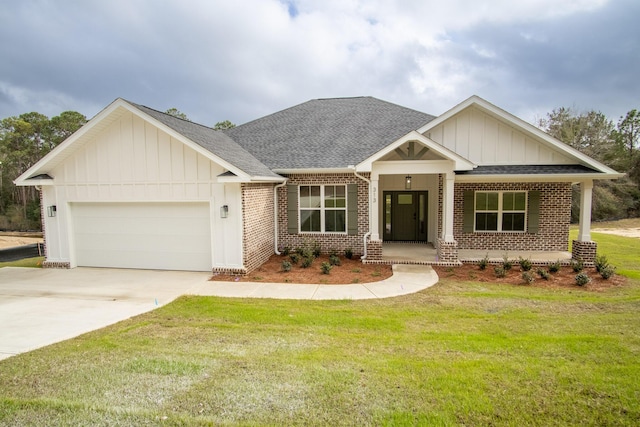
[{"x": 354, "y": 271}]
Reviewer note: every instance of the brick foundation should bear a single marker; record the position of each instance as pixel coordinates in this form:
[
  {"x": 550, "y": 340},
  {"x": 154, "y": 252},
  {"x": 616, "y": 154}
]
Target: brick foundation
[
  {"x": 585, "y": 251},
  {"x": 56, "y": 264},
  {"x": 374, "y": 250},
  {"x": 258, "y": 227},
  {"x": 447, "y": 252}
]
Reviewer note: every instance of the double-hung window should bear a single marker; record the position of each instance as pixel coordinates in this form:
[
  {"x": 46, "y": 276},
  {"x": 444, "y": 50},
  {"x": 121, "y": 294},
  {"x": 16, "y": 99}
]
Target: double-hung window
[
  {"x": 323, "y": 208},
  {"x": 500, "y": 210}
]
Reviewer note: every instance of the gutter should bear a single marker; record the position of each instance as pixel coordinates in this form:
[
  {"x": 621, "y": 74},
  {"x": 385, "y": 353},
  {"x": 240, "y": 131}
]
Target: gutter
[
  {"x": 368, "y": 233},
  {"x": 275, "y": 215}
]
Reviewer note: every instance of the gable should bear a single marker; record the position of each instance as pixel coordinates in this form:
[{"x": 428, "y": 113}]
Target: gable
[{"x": 486, "y": 140}]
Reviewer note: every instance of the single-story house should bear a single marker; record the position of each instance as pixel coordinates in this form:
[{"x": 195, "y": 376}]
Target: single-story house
[{"x": 137, "y": 188}]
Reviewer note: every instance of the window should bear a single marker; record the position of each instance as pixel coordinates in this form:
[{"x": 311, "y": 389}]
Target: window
[
  {"x": 500, "y": 210},
  {"x": 323, "y": 208}
]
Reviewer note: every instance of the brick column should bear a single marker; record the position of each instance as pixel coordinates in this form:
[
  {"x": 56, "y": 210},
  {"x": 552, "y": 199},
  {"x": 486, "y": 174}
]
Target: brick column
[
  {"x": 374, "y": 250},
  {"x": 584, "y": 251},
  {"x": 448, "y": 252}
]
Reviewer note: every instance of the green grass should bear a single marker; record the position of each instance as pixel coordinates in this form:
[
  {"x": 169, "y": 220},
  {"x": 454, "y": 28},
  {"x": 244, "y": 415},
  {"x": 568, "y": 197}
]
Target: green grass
[
  {"x": 456, "y": 354},
  {"x": 622, "y": 252},
  {"x": 27, "y": 262}
]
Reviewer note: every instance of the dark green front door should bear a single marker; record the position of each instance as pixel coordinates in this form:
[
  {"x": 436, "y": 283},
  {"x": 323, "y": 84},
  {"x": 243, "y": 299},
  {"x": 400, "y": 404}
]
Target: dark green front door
[{"x": 405, "y": 215}]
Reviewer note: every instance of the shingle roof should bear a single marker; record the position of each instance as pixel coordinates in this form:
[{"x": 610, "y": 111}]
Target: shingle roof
[
  {"x": 327, "y": 133},
  {"x": 215, "y": 141},
  {"x": 528, "y": 170}
]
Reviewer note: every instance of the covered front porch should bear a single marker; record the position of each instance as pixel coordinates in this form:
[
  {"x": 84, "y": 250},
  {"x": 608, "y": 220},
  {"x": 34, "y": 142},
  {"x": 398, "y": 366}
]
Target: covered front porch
[{"x": 426, "y": 254}]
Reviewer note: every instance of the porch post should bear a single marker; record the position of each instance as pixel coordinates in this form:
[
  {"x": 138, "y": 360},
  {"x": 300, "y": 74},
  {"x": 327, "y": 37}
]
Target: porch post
[
  {"x": 583, "y": 248},
  {"x": 448, "y": 207},
  {"x": 374, "y": 210}
]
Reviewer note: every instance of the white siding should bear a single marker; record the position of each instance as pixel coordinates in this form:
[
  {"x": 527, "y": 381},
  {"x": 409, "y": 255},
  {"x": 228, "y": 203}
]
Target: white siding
[{"x": 485, "y": 140}]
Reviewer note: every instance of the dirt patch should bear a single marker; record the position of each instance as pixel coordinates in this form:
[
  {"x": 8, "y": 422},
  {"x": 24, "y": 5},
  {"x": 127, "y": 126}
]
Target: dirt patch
[
  {"x": 10, "y": 240},
  {"x": 350, "y": 271},
  {"x": 625, "y": 232},
  {"x": 564, "y": 278}
]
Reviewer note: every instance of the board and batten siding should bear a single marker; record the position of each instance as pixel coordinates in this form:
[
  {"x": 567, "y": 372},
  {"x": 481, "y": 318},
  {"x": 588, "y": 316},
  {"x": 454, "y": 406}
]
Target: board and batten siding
[
  {"x": 133, "y": 160},
  {"x": 485, "y": 140}
]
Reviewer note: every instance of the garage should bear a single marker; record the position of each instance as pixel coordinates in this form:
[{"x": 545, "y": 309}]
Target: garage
[{"x": 158, "y": 236}]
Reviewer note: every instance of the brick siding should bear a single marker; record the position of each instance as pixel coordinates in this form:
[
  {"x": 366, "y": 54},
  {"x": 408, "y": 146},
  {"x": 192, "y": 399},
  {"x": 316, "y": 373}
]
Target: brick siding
[
  {"x": 258, "y": 224},
  {"x": 555, "y": 215},
  {"x": 327, "y": 241}
]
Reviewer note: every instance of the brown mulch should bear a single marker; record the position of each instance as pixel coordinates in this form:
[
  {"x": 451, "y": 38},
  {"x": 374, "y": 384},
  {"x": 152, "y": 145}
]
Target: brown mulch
[
  {"x": 354, "y": 271},
  {"x": 350, "y": 271},
  {"x": 563, "y": 279}
]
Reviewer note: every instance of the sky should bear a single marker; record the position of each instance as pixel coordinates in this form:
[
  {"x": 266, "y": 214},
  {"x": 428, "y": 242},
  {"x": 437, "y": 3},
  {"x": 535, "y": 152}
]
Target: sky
[{"x": 239, "y": 60}]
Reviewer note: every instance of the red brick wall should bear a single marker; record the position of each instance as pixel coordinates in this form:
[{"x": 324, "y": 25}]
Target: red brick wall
[
  {"x": 258, "y": 224},
  {"x": 555, "y": 215},
  {"x": 327, "y": 241}
]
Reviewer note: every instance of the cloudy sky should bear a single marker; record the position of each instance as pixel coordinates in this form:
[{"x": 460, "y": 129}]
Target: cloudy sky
[{"x": 242, "y": 59}]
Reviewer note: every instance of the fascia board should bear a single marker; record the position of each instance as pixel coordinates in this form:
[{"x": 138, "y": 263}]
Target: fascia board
[
  {"x": 537, "y": 177},
  {"x": 312, "y": 171}
]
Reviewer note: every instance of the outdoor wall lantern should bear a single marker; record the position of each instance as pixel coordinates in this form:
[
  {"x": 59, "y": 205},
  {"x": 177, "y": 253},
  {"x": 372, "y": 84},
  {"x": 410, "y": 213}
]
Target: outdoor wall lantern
[
  {"x": 51, "y": 211},
  {"x": 224, "y": 211},
  {"x": 407, "y": 182}
]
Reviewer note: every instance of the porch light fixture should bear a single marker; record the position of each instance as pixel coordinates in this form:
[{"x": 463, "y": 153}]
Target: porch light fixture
[
  {"x": 407, "y": 182},
  {"x": 51, "y": 211},
  {"x": 224, "y": 211}
]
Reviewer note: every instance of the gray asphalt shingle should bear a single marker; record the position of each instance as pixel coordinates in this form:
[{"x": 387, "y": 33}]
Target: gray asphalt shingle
[
  {"x": 327, "y": 133},
  {"x": 528, "y": 170}
]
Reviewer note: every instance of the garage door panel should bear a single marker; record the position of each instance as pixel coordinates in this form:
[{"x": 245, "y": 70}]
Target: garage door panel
[{"x": 168, "y": 236}]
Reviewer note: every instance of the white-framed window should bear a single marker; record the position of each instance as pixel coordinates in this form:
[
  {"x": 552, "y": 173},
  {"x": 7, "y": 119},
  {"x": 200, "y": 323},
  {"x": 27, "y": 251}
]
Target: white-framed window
[
  {"x": 323, "y": 208},
  {"x": 504, "y": 211}
]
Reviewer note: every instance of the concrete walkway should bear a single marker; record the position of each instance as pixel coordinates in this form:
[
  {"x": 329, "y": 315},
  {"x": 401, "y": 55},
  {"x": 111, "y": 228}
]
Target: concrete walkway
[
  {"x": 39, "y": 307},
  {"x": 406, "y": 279}
]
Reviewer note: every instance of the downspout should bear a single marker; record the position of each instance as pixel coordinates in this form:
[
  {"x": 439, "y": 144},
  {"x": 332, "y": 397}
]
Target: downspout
[
  {"x": 275, "y": 215},
  {"x": 368, "y": 233}
]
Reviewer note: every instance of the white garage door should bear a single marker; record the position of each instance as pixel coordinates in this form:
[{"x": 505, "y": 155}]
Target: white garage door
[{"x": 161, "y": 236}]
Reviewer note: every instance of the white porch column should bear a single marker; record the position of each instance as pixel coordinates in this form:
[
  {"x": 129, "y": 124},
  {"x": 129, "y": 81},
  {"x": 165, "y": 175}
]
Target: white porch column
[
  {"x": 374, "y": 208},
  {"x": 586, "y": 193},
  {"x": 447, "y": 229}
]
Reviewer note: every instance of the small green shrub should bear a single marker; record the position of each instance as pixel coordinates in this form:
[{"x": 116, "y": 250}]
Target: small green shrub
[
  {"x": 326, "y": 268},
  {"x": 285, "y": 266},
  {"x": 543, "y": 273},
  {"x": 607, "y": 271},
  {"x": 306, "y": 262},
  {"x": 348, "y": 253},
  {"x": 333, "y": 252},
  {"x": 601, "y": 262},
  {"x": 317, "y": 250},
  {"x": 484, "y": 262},
  {"x": 506, "y": 263},
  {"x": 334, "y": 260},
  {"x": 527, "y": 277},
  {"x": 582, "y": 279},
  {"x": 577, "y": 265},
  {"x": 295, "y": 258},
  {"x": 285, "y": 251},
  {"x": 525, "y": 264},
  {"x": 554, "y": 267},
  {"x": 500, "y": 271}
]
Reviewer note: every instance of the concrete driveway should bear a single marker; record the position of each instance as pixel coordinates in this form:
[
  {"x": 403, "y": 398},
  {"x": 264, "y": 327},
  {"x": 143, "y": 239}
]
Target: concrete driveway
[{"x": 39, "y": 307}]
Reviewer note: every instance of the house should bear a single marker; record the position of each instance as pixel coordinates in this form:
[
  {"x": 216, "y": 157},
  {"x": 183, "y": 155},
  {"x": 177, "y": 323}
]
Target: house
[{"x": 137, "y": 188}]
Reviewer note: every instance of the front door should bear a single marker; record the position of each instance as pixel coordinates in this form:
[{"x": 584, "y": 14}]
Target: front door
[{"x": 405, "y": 215}]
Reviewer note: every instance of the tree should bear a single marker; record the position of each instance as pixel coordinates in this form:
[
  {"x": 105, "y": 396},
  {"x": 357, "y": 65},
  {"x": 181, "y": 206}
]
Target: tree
[
  {"x": 225, "y": 124},
  {"x": 177, "y": 113},
  {"x": 628, "y": 132}
]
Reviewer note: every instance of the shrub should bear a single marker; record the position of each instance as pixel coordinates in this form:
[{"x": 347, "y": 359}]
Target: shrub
[
  {"x": 506, "y": 263},
  {"x": 334, "y": 260},
  {"x": 326, "y": 268},
  {"x": 607, "y": 271},
  {"x": 554, "y": 267},
  {"x": 528, "y": 278},
  {"x": 577, "y": 265},
  {"x": 601, "y": 263},
  {"x": 525, "y": 264},
  {"x": 306, "y": 262},
  {"x": 543, "y": 273},
  {"x": 582, "y": 279},
  {"x": 484, "y": 262},
  {"x": 348, "y": 253},
  {"x": 317, "y": 250},
  {"x": 333, "y": 252},
  {"x": 500, "y": 271},
  {"x": 285, "y": 251},
  {"x": 294, "y": 257},
  {"x": 285, "y": 266}
]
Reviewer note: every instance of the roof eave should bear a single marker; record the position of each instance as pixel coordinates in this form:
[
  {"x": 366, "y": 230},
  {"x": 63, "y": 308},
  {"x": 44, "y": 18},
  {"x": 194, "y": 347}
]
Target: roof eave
[
  {"x": 575, "y": 177},
  {"x": 313, "y": 171}
]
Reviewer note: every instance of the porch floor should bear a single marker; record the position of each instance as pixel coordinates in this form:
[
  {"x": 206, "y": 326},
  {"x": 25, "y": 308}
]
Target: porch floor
[{"x": 425, "y": 253}]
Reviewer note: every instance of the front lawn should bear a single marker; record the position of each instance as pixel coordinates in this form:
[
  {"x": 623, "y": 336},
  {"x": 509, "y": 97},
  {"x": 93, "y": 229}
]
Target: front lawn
[{"x": 456, "y": 354}]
